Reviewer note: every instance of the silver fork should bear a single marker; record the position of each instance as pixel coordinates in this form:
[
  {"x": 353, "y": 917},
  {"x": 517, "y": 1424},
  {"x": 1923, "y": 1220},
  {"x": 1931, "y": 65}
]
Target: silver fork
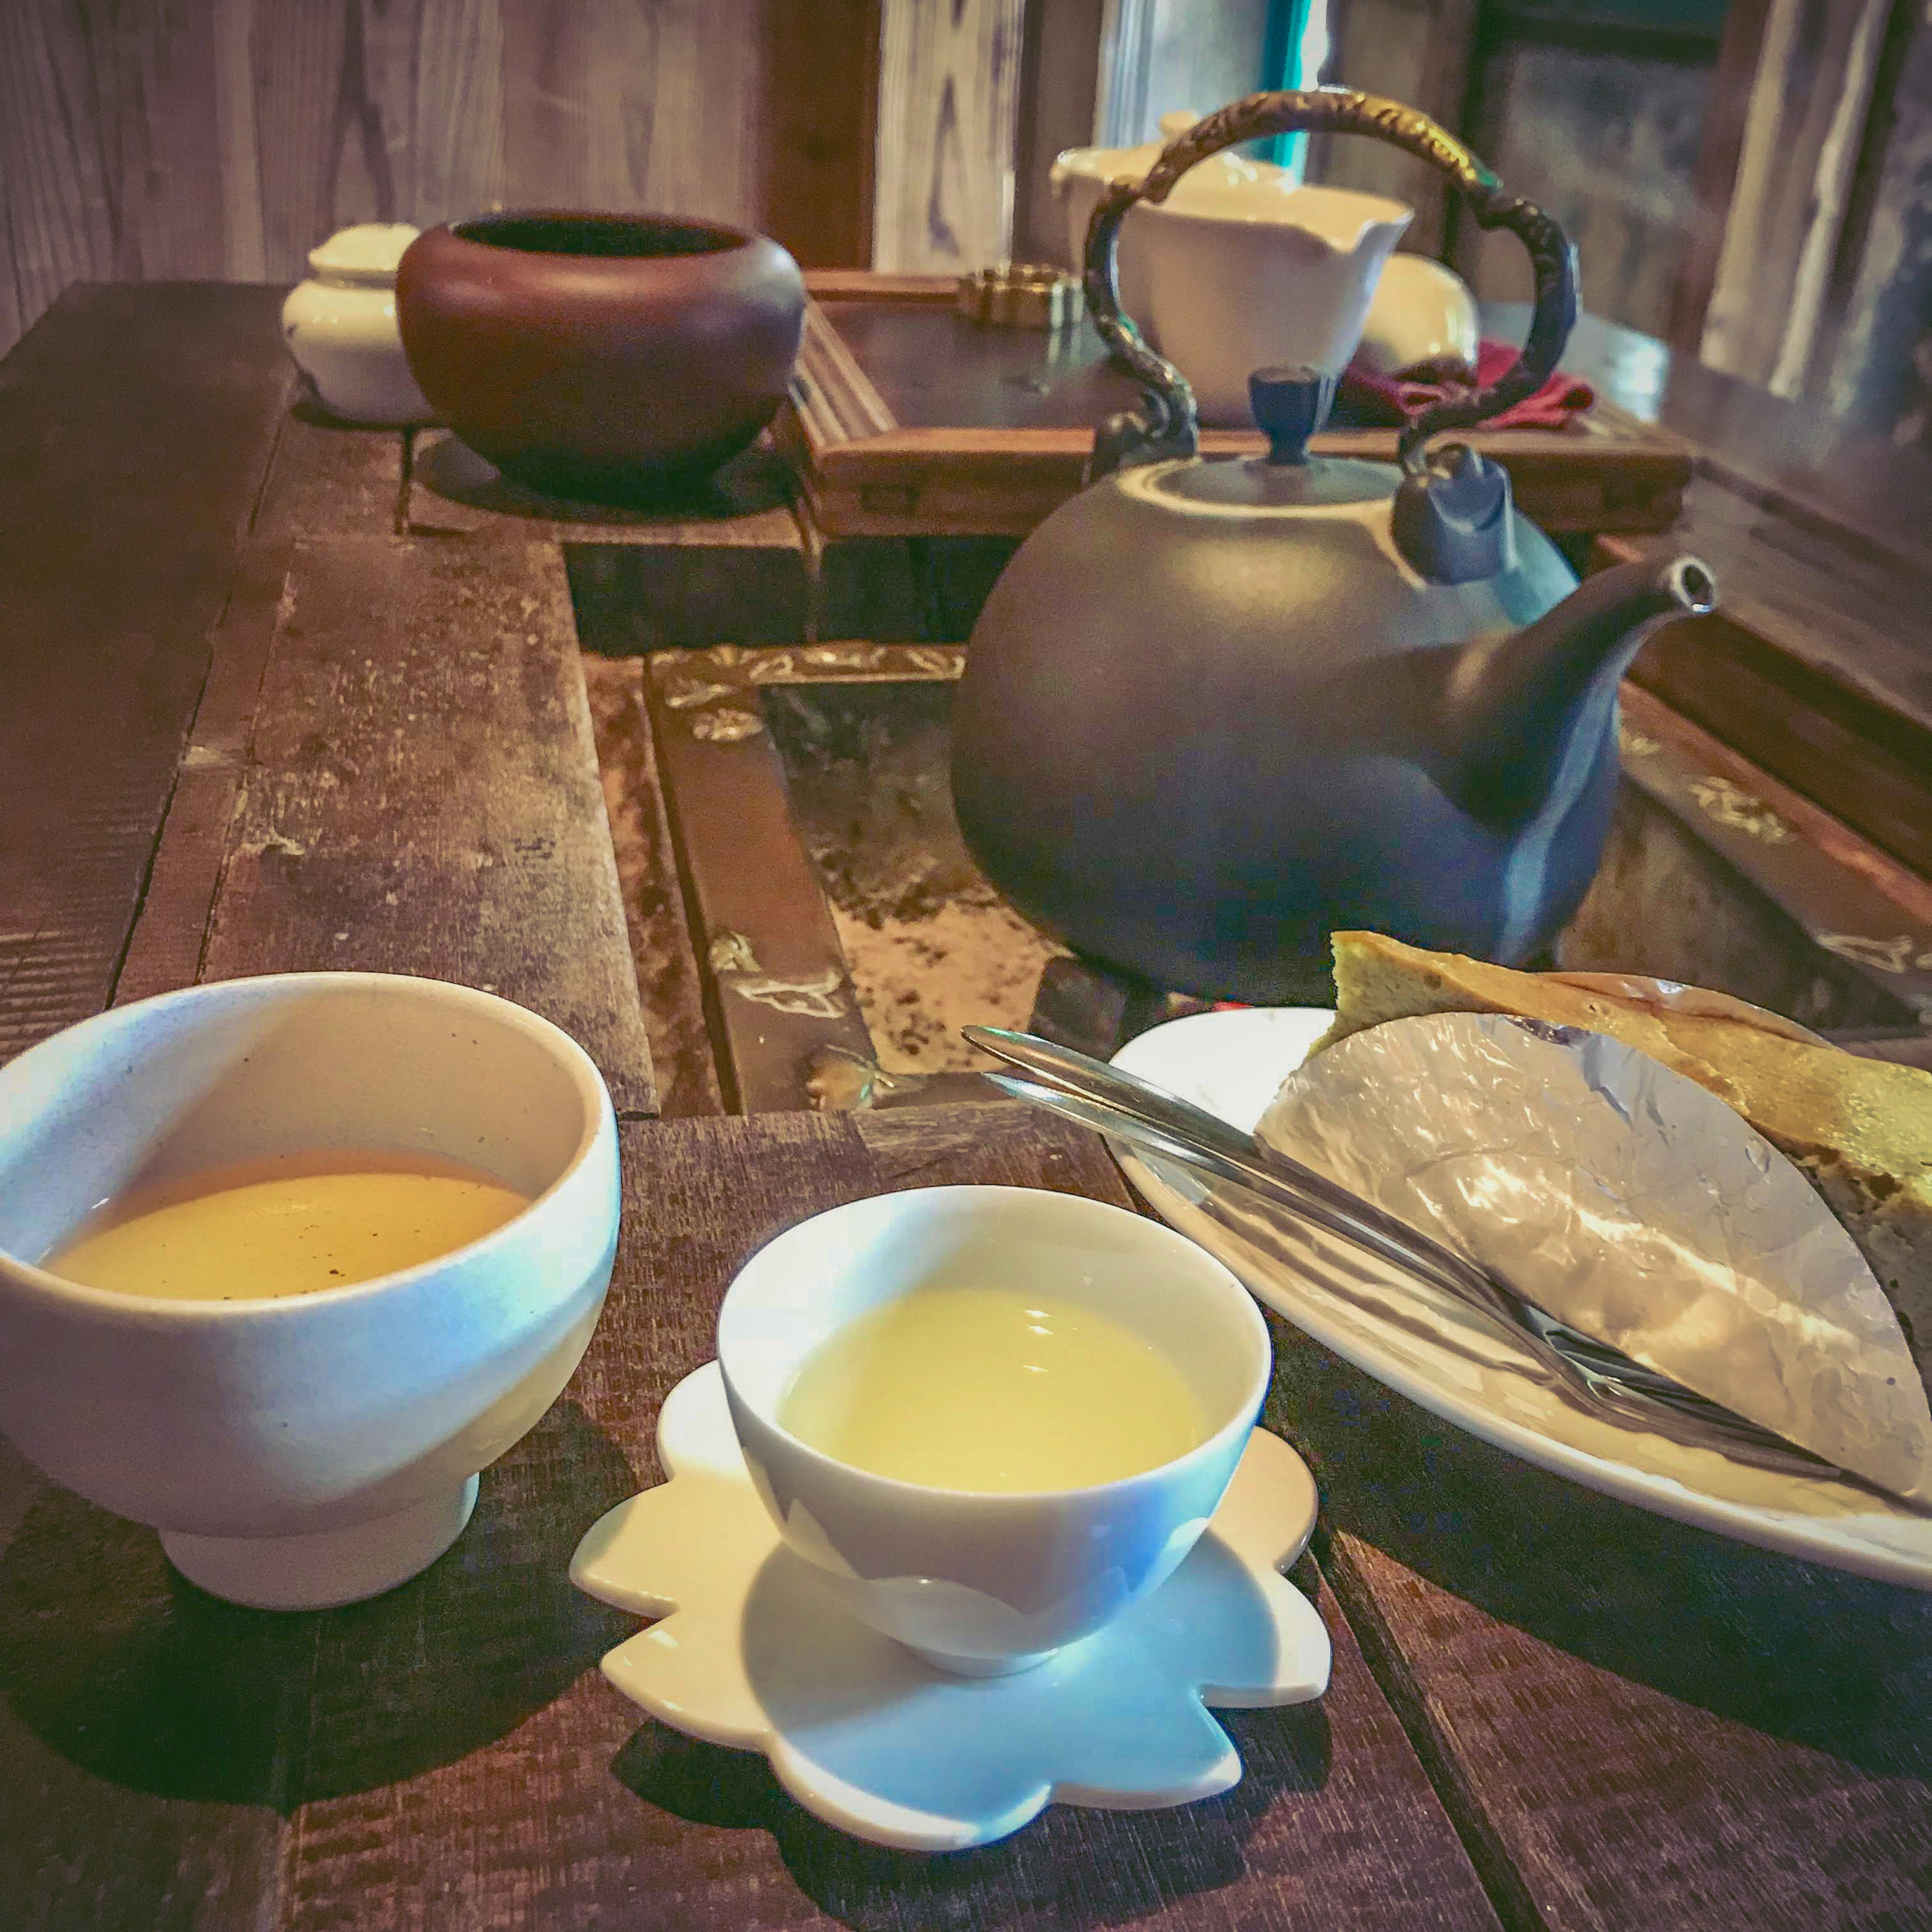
[{"x": 1111, "y": 1101}]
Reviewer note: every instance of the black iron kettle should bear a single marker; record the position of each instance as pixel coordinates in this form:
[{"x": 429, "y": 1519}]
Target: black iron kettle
[{"x": 1213, "y": 711}]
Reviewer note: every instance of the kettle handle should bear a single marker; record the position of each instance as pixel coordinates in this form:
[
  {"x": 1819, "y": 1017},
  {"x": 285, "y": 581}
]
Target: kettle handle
[{"x": 1170, "y": 427}]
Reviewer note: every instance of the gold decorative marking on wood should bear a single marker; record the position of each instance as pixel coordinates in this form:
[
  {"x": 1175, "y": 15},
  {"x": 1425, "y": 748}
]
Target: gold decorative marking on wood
[
  {"x": 726, "y": 726},
  {"x": 1731, "y": 805},
  {"x": 730, "y": 952},
  {"x": 681, "y": 693},
  {"x": 1900, "y": 954},
  {"x": 670, "y": 989},
  {"x": 817, "y": 996},
  {"x": 937, "y": 663},
  {"x": 843, "y": 657}
]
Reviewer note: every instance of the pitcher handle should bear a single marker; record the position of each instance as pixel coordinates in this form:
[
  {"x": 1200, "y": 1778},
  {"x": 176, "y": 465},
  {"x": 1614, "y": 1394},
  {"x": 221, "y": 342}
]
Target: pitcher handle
[{"x": 1171, "y": 425}]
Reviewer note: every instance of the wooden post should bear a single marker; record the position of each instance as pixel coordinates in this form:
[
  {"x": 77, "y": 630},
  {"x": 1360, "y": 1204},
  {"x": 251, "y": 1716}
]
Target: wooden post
[{"x": 1801, "y": 137}]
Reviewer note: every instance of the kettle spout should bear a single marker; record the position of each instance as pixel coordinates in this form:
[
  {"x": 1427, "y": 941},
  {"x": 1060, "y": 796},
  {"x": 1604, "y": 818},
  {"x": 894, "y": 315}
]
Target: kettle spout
[{"x": 1530, "y": 710}]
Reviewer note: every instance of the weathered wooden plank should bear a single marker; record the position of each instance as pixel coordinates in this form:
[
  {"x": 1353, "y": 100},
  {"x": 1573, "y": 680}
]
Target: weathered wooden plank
[
  {"x": 1787, "y": 206},
  {"x": 819, "y": 89},
  {"x": 147, "y": 1733},
  {"x": 1850, "y": 900},
  {"x": 669, "y": 985},
  {"x": 328, "y": 480},
  {"x": 1649, "y": 1725},
  {"x": 322, "y": 480},
  {"x": 432, "y": 78},
  {"x": 499, "y": 1783},
  {"x": 135, "y": 425},
  {"x": 297, "y": 56},
  {"x": 421, "y": 793},
  {"x": 777, "y": 992},
  {"x": 1814, "y": 667},
  {"x": 165, "y": 949},
  {"x": 160, "y": 138}
]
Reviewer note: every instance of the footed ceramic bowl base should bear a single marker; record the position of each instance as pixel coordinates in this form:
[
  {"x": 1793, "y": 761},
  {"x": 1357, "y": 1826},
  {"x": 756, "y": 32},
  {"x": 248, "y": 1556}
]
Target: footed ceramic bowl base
[
  {"x": 329, "y": 1567},
  {"x": 753, "y": 1651}
]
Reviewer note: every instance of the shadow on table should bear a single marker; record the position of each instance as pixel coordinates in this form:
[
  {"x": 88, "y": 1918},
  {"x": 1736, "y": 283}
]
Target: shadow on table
[
  {"x": 755, "y": 479},
  {"x": 1833, "y": 1662},
  {"x": 1072, "y": 1867},
  {"x": 138, "y": 1678}
]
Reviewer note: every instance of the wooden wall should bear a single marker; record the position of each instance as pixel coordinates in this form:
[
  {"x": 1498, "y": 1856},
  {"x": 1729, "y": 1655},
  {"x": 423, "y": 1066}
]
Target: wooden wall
[
  {"x": 1605, "y": 141},
  {"x": 222, "y": 139},
  {"x": 1881, "y": 374},
  {"x": 1800, "y": 155},
  {"x": 1416, "y": 51},
  {"x": 948, "y": 107}
]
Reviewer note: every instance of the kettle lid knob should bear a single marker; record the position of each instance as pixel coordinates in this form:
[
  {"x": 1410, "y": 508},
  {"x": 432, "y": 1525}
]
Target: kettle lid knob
[{"x": 1290, "y": 403}]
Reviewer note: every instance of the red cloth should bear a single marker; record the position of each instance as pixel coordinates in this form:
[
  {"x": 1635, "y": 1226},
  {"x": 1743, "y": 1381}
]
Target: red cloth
[{"x": 1370, "y": 397}]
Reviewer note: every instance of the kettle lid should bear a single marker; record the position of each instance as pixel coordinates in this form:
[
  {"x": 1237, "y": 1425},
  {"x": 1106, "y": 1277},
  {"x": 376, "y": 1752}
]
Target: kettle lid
[
  {"x": 1290, "y": 404},
  {"x": 1453, "y": 520}
]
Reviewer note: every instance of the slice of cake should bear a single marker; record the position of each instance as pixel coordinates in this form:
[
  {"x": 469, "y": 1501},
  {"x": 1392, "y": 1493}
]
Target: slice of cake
[{"x": 1859, "y": 1130}]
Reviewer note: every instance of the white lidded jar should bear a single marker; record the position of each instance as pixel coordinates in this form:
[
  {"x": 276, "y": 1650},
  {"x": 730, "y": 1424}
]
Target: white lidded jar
[{"x": 341, "y": 327}]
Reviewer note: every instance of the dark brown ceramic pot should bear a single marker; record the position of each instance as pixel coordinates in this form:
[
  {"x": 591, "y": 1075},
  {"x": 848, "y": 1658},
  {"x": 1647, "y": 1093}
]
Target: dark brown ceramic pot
[{"x": 606, "y": 355}]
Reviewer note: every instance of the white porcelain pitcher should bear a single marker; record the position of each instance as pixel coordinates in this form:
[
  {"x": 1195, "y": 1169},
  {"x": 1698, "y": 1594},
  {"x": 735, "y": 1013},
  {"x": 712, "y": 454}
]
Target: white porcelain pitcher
[
  {"x": 1081, "y": 175},
  {"x": 1241, "y": 267}
]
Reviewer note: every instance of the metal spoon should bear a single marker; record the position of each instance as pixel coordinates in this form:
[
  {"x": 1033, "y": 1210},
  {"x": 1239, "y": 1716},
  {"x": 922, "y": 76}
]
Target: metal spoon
[{"x": 1111, "y": 1101}]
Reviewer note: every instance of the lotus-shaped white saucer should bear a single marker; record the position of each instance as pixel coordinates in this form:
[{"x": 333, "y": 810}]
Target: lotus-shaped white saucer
[{"x": 753, "y": 1652}]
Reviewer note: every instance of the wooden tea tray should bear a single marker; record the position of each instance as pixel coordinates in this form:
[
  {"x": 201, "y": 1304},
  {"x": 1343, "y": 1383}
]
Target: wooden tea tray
[{"x": 906, "y": 419}]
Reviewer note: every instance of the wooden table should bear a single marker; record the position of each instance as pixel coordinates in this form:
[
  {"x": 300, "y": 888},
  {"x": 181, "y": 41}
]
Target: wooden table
[{"x": 249, "y": 729}]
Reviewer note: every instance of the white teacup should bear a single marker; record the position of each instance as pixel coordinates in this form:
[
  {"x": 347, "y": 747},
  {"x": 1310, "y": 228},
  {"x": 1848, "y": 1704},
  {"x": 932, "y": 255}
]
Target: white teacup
[
  {"x": 316, "y": 1448},
  {"x": 978, "y": 1583}
]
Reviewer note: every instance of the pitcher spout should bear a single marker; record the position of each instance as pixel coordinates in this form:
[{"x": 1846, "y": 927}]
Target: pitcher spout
[{"x": 1532, "y": 708}]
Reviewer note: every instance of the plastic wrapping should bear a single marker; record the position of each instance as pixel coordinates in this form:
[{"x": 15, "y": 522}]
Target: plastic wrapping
[{"x": 1627, "y": 1201}]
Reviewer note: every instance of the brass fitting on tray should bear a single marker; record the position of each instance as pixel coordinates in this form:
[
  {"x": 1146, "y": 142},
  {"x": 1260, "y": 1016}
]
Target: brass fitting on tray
[{"x": 1021, "y": 295}]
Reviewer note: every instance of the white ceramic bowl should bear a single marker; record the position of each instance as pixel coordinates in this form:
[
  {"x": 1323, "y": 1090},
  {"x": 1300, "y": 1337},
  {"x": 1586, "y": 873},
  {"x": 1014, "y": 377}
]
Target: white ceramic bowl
[
  {"x": 987, "y": 1584},
  {"x": 321, "y": 1448}
]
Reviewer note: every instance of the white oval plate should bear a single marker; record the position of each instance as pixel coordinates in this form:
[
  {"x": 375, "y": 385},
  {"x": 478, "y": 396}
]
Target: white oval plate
[{"x": 1232, "y": 1063}]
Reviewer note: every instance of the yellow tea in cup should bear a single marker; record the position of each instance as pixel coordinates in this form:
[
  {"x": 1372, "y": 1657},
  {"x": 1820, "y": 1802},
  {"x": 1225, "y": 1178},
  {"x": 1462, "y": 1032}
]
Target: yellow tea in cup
[
  {"x": 989, "y": 1389},
  {"x": 280, "y": 1226}
]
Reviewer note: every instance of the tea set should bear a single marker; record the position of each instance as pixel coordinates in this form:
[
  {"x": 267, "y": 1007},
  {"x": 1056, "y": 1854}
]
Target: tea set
[
  {"x": 314, "y": 1449},
  {"x": 1210, "y": 711}
]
